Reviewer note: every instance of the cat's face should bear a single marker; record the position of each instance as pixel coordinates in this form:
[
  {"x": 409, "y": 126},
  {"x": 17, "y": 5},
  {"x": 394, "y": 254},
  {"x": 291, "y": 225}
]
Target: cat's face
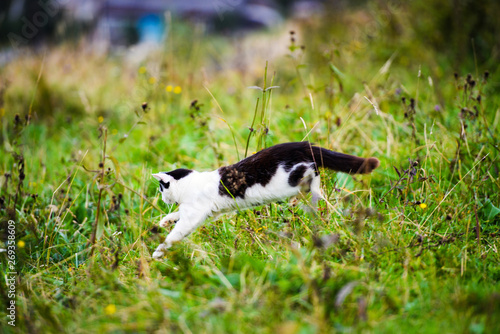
[{"x": 166, "y": 188}]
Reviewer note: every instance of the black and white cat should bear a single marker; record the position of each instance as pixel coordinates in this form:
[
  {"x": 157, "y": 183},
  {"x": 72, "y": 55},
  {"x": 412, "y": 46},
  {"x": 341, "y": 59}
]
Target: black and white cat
[{"x": 275, "y": 173}]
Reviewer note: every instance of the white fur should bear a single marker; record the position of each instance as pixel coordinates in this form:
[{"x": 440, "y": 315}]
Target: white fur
[{"x": 198, "y": 197}]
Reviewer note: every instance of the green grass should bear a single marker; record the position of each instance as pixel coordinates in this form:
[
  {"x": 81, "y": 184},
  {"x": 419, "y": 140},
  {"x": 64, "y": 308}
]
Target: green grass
[{"x": 395, "y": 251}]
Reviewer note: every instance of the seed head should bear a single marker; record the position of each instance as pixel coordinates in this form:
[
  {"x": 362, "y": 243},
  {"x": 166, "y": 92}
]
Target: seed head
[{"x": 338, "y": 121}]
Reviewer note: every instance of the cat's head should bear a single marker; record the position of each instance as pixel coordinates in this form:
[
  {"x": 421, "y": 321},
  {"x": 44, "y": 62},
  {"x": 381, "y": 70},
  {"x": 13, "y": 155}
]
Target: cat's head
[{"x": 169, "y": 184}]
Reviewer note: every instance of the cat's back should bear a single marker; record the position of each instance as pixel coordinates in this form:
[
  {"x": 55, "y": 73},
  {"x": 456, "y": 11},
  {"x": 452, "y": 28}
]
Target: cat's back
[
  {"x": 286, "y": 154},
  {"x": 260, "y": 168}
]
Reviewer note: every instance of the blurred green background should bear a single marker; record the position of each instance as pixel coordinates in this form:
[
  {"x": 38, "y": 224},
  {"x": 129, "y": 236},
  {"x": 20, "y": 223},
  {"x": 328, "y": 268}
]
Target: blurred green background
[{"x": 96, "y": 96}]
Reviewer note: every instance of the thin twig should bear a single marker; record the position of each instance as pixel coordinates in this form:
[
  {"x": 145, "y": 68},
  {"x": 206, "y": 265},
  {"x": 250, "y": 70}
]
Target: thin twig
[
  {"x": 101, "y": 188},
  {"x": 478, "y": 233},
  {"x": 395, "y": 185}
]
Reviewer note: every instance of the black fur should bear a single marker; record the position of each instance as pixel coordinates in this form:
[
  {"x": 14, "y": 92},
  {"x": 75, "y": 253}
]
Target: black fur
[
  {"x": 234, "y": 181},
  {"x": 262, "y": 166},
  {"x": 164, "y": 185},
  {"x": 179, "y": 173},
  {"x": 296, "y": 175}
]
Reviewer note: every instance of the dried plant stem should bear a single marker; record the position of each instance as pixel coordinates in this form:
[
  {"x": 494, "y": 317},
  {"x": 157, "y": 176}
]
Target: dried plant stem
[
  {"x": 478, "y": 232},
  {"x": 101, "y": 188},
  {"x": 252, "y": 127}
]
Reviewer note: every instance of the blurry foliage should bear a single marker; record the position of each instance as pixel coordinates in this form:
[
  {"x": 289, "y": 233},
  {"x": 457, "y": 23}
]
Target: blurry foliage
[
  {"x": 23, "y": 24},
  {"x": 457, "y": 27},
  {"x": 450, "y": 30},
  {"x": 412, "y": 247}
]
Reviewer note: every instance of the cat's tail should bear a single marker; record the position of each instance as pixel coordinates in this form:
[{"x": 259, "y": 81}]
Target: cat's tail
[{"x": 343, "y": 162}]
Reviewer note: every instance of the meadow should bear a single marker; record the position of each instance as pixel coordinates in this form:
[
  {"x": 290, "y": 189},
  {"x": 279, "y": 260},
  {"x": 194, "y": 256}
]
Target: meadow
[{"x": 412, "y": 248}]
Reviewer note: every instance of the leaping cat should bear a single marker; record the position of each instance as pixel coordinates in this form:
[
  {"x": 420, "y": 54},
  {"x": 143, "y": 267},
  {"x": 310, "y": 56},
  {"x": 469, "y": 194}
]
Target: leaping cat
[{"x": 275, "y": 173}]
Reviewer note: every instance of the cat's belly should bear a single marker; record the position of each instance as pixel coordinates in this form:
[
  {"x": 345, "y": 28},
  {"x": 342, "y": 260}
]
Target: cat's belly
[{"x": 277, "y": 189}]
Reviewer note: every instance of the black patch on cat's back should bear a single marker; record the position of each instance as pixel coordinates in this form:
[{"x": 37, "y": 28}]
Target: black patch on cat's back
[
  {"x": 261, "y": 167},
  {"x": 233, "y": 182},
  {"x": 297, "y": 175},
  {"x": 179, "y": 173}
]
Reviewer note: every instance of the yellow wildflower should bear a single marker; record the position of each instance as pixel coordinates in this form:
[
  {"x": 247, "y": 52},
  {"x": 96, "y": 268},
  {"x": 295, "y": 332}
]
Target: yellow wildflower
[
  {"x": 100, "y": 119},
  {"x": 177, "y": 90},
  {"x": 21, "y": 244},
  {"x": 168, "y": 88},
  {"x": 152, "y": 80},
  {"x": 110, "y": 309},
  {"x": 142, "y": 70},
  {"x": 422, "y": 205}
]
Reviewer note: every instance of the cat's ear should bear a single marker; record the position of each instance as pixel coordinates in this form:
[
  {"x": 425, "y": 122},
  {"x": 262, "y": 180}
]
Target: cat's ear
[{"x": 160, "y": 177}]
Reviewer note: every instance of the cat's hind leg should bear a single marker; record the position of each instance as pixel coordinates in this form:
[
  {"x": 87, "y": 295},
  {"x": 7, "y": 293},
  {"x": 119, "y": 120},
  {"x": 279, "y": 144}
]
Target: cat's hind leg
[
  {"x": 170, "y": 219},
  {"x": 316, "y": 193},
  {"x": 189, "y": 220},
  {"x": 311, "y": 184}
]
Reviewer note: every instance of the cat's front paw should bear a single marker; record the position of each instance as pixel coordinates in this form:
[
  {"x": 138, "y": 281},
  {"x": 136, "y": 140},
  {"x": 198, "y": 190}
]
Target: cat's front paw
[
  {"x": 159, "y": 252},
  {"x": 158, "y": 255},
  {"x": 169, "y": 219},
  {"x": 167, "y": 222}
]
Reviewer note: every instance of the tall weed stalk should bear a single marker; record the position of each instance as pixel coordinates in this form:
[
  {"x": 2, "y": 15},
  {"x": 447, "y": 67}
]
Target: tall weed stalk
[{"x": 263, "y": 127}]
